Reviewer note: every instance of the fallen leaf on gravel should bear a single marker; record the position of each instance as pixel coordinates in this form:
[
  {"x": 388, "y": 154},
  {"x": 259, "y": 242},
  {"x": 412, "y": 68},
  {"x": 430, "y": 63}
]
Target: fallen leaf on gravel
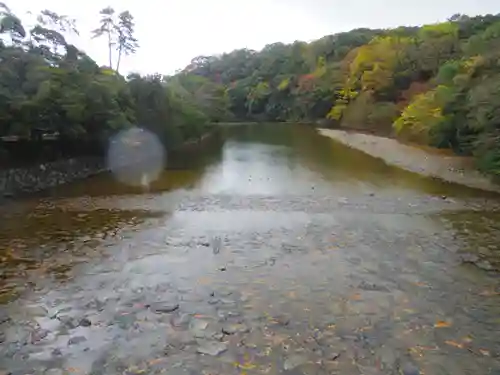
[
  {"x": 156, "y": 361},
  {"x": 484, "y": 352},
  {"x": 442, "y": 324},
  {"x": 489, "y": 293},
  {"x": 454, "y": 343},
  {"x": 355, "y": 297},
  {"x": 420, "y": 284}
]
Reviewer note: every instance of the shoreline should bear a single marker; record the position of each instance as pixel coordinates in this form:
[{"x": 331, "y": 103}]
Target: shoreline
[{"x": 450, "y": 168}]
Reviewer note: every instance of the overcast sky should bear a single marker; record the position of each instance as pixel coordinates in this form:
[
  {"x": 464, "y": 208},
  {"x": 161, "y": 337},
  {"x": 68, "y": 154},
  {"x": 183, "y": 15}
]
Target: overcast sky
[{"x": 171, "y": 32}]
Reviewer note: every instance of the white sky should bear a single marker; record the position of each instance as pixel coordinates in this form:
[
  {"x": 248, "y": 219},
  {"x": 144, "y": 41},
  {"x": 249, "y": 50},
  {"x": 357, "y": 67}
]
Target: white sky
[{"x": 171, "y": 32}]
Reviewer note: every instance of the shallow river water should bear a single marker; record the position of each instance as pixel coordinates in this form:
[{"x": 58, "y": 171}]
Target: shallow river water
[{"x": 271, "y": 251}]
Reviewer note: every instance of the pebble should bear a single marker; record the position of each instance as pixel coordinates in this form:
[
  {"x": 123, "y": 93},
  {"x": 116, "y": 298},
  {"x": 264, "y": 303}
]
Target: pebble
[
  {"x": 282, "y": 320},
  {"x": 410, "y": 369},
  {"x": 39, "y": 335},
  {"x": 4, "y": 318},
  {"x": 198, "y": 328},
  {"x": 212, "y": 348},
  {"x": 180, "y": 320},
  {"x": 76, "y": 340},
  {"x": 162, "y": 307},
  {"x": 54, "y": 371},
  {"x": 231, "y": 329},
  {"x": 68, "y": 321},
  {"x": 294, "y": 361},
  {"x": 85, "y": 323},
  {"x": 57, "y": 352}
]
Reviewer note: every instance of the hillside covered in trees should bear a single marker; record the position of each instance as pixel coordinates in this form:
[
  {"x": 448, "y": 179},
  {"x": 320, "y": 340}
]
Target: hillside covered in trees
[{"x": 437, "y": 84}]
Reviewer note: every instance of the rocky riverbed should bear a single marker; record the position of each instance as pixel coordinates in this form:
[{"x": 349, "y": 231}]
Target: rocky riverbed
[{"x": 278, "y": 252}]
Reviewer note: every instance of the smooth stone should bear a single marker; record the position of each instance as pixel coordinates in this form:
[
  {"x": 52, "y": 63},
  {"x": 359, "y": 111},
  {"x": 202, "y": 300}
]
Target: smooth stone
[
  {"x": 283, "y": 320},
  {"x": 39, "y": 335},
  {"x": 198, "y": 328},
  {"x": 68, "y": 321},
  {"x": 213, "y": 301},
  {"x": 57, "y": 352},
  {"x": 213, "y": 348},
  {"x": 85, "y": 322},
  {"x": 76, "y": 340},
  {"x": 54, "y": 371},
  {"x": 4, "y": 318},
  {"x": 372, "y": 287},
  {"x": 231, "y": 329},
  {"x": 180, "y": 320},
  {"x": 160, "y": 307},
  {"x": 410, "y": 369},
  {"x": 294, "y": 361}
]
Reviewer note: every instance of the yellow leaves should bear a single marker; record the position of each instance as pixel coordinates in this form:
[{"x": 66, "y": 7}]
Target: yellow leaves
[
  {"x": 284, "y": 84},
  {"x": 246, "y": 365},
  {"x": 442, "y": 324}
]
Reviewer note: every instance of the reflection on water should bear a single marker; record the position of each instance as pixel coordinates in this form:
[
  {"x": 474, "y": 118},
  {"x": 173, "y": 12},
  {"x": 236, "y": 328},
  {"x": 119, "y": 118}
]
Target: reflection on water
[{"x": 270, "y": 251}]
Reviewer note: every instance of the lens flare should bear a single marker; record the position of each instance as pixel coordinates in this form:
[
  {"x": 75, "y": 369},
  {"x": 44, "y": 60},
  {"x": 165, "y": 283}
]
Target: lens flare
[{"x": 136, "y": 157}]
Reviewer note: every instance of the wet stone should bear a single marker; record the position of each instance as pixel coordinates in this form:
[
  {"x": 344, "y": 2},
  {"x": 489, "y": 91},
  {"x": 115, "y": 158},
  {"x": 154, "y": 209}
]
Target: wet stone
[
  {"x": 68, "y": 321},
  {"x": 212, "y": 348},
  {"x": 76, "y": 340},
  {"x": 57, "y": 352},
  {"x": 294, "y": 361},
  {"x": 282, "y": 320},
  {"x": 372, "y": 287},
  {"x": 39, "y": 335},
  {"x": 231, "y": 329},
  {"x": 164, "y": 307},
  {"x": 180, "y": 320},
  {"x": 54, "y": 371},
  {"x": 124, "y": 321},
  {"x": 469, "y": 258},
  {"x": 198, "y": 328},
  {"x": 409, "y": 369},
  {"x": 85, "y": 322},
  {"x": 4, "y": 318}
]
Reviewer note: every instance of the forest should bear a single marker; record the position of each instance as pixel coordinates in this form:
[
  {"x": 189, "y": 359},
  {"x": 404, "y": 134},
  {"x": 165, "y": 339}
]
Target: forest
[
  {"x": 50, "y": 89},
  {"x": 435, "y": 84}
]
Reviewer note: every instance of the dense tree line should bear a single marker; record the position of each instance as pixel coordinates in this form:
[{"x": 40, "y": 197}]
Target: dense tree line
[
  {"x": 437, "y": 84},
  {"x": 49, "y": 86}
]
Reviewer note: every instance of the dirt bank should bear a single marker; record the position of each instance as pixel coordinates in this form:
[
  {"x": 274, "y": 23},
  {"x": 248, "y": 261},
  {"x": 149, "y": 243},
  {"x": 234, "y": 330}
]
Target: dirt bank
[{"x": 426, "y": 162}]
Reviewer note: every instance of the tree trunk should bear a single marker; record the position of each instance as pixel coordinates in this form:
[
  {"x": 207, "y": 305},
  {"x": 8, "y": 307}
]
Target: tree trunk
[
  {"x": 109, "y": 47},
  {"x": 119, "y": 59}
]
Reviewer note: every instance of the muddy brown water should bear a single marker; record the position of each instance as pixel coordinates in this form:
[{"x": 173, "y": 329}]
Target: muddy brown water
[{"x": 272, "y": 250}]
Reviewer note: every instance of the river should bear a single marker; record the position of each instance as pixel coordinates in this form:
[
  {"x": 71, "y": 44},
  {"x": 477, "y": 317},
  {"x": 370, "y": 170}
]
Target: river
[{"x": 271, "y": 251}]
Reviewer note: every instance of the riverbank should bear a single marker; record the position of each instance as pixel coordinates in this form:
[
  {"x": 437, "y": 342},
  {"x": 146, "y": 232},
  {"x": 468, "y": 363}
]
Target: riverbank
[
  {"x": 427, "y": 162},
  {"x": 15, "y": 182}
]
